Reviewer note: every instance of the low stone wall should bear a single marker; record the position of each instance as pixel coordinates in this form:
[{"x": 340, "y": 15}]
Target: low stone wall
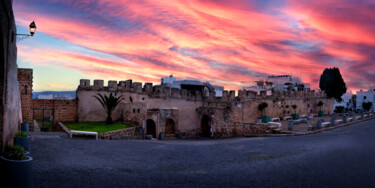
[
  {"x": 246, "y": 129},
  {"x": 133, "y": 131}
]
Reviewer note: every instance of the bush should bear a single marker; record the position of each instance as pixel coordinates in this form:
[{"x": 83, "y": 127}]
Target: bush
[
  {"x": 14, "y": 152},
  {"x": 339, "y": 109},
  {"x": 366, "y": 105},
  {"x": 21, "y": 134}
]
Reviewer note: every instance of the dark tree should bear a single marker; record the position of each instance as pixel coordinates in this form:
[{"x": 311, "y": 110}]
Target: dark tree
[
  {"x": 366, "y": 105},
  {"x": 332, "y": 83},
  {"x": 109, "y": 104},
  {"x": 294, "y": 106},
  {"x": 320, "y": 104},
  {"x": 262, "y": 106}
]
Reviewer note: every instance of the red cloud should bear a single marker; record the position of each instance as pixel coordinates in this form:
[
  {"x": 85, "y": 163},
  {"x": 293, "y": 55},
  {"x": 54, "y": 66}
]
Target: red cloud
[{"x": 220, "y": 41}]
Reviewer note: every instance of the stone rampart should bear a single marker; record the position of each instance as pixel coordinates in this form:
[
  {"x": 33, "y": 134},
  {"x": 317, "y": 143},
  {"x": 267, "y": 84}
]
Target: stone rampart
[{"x": 159, "y": 91}]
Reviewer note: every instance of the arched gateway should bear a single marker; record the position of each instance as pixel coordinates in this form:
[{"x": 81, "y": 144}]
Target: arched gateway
[
  {"x": 205, "y": 126},
  {"x": 151, "y": 128}
]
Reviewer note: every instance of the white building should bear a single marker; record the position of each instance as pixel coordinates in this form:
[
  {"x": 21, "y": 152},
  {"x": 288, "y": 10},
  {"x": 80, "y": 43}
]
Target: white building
[
  {"x": 171, "y": 82},
  {"x": 287, "y": 82},
  {"x": 365, "y": 96},
  {"x": 346, "y": 101},
  {"x": 279, "y": 83}
]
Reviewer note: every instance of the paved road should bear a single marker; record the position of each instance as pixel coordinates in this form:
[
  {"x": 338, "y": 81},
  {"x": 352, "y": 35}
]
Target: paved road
[{"x": 342, "y": 157}]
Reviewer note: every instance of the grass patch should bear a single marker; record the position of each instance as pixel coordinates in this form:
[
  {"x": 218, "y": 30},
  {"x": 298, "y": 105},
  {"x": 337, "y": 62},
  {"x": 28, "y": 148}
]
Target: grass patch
[
  {"x": 47, "y": 124},
  {"x": 99, "y": 127}
]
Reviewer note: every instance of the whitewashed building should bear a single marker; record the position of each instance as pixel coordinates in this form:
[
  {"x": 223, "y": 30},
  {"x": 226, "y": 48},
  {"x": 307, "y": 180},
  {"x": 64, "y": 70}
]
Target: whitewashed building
[
  {"x": 365, "y": 96},
  {"x": 346, "y": 101},
  {"x": 172, "y": 82}
]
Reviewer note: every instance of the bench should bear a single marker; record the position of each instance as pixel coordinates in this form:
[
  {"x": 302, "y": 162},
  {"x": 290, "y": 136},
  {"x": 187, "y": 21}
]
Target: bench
[
  {"x": 349, "y": 119},
  {"x": 287, "y": 117},
  {"x": 326, "y": 123},
  {"x": 338, "y": 121},
  {"x": 275, "y": 119},
  {"x": 83, "y": 132},
  {"x": 275, "y": 123}
]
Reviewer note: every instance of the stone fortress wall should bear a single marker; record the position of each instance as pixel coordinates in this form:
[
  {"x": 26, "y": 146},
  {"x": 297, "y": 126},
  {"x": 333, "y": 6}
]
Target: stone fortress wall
[
  {"x": 194, "y": 108},
  {"x": 168, "y": 110},
  {"x": 10, "y": 102}
]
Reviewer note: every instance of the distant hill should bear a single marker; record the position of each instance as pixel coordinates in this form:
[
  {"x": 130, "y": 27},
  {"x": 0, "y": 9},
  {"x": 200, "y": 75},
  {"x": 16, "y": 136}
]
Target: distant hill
[{"x": 71, "y": 93}]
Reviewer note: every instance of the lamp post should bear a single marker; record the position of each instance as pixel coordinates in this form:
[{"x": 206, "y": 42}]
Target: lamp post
[{"x": 32, "y": 28}]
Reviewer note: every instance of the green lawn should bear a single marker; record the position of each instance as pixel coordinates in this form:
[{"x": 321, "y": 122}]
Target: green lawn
[
  {"x": 47, "y": 123},
  {"x": 99, "y": 127}
]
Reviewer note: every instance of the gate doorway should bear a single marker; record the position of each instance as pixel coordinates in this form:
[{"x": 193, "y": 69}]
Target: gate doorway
[
  {"x": 151, "y": 128},
  {"x": 205, "y": 126},
  {"x": 169, "y": 128},
  {"x": 44, "y": 118}
]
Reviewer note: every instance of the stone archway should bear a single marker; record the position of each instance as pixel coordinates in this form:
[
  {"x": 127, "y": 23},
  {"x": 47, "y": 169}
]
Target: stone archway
[
  {"x": 170, "y": 127},
  {"x": 205, "y": 126},
  {"x": 151, "y": 128}
]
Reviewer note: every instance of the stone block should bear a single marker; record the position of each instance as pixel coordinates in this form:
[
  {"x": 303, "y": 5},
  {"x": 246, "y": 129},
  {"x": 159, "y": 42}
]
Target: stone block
[
  {"x": 84, "y": 83},
  {"x": 112, "y": 85},
  {"x": 99, "y": 84},
  {"x": 175, "y": 92},
  {"x": 148, "y": 88},
  {"x": 232, "y": 94},
  {"x": 137, "y": 87}
]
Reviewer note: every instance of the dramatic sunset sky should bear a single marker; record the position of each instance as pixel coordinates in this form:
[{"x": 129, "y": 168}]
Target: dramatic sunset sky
[{"x": 220, "y": 41}]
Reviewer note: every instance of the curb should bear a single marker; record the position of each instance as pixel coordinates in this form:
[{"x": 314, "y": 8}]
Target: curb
[{"x": 311, "y": 132}]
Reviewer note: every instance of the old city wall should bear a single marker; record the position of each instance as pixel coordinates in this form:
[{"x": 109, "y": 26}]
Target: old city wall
[
  {"x": 25, "y": 80},
  {"x": 223, "y": 112},
  {"x": 60, "y": 110},
  {"x": 10, "y": 103},
  {"x": 136, "y": 102},
  {"x": 279, "y": 105}
]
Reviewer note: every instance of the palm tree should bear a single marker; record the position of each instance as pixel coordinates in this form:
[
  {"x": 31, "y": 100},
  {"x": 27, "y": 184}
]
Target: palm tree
[{"x": 109, "y": 104}]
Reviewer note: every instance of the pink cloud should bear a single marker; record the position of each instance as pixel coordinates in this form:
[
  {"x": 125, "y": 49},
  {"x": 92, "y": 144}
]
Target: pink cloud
[{"x": 224, "y": 42}]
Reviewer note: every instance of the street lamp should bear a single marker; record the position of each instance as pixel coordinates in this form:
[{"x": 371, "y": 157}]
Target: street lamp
[{"x": 32, "y": 28}]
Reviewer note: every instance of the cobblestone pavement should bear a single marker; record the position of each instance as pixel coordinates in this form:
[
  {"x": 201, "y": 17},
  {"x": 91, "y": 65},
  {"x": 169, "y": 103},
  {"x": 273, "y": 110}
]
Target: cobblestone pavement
[{"x": 341, "y": 157}]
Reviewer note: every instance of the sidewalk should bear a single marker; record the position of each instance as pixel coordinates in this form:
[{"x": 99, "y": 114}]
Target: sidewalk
[{"x": 302, "y": 129}]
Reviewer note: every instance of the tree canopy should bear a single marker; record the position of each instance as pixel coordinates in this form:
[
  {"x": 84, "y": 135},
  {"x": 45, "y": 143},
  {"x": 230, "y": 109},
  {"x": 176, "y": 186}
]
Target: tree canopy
[
  {"x": 332, "y": 83},
  {"x": 262, "y": 106},
  {"x": 366, "y": 105}
]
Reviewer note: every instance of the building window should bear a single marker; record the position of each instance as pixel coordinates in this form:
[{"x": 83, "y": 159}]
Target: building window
[
  {"x": 138, "y": 111},
  {"x": 364, "y": 97},
  {"x": 133, "y": 110}
]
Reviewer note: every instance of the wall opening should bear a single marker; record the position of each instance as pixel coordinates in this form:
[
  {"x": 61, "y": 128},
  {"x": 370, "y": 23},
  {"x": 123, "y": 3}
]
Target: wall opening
[
  {"x": 169, "y": 127},
  {"x": 151, "y": 128},
  {"x": 205, "y": 126}
]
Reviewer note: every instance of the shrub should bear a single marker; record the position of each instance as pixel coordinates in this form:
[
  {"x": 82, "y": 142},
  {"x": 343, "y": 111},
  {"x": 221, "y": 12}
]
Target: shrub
[
  {"x": 14, "y": 152},
  {"x": 320, "y": 104},
  {"x": 262, "y": 106},
  {"x": 366, "y": 105},
  {"x": 21, "y": 134},
  {"x": 339, "y": 109},
  {"x": 294, "y": 107}
]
